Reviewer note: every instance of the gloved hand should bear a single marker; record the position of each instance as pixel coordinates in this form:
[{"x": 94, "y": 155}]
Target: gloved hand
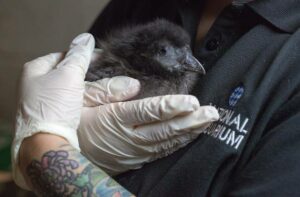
[
  {"x": 52, "y": 95},
  {"x": 125, "y": 135}
]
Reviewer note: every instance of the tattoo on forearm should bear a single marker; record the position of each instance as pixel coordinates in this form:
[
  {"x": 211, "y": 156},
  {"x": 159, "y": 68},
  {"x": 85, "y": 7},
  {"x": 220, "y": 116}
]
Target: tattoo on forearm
[{"x": 68, "y": 173}]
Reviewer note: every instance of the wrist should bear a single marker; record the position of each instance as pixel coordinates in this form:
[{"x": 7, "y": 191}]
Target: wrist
[
  {"x": 34, "y": 146},
  {"x": 49, "y": 160},
  {"x": 35, "y": 143}
]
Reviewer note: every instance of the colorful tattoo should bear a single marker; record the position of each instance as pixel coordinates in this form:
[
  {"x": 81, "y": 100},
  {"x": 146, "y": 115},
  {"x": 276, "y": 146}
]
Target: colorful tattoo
[{"x": 68, "y": 173}]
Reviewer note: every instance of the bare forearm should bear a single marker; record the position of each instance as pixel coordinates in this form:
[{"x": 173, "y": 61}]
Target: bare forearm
[{"x": 54, "y": 168}]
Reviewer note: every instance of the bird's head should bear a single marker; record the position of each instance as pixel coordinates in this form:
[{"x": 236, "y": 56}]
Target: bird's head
[
  {"x": 171, "y": 58},
  {"x": 158, "y": 48}
]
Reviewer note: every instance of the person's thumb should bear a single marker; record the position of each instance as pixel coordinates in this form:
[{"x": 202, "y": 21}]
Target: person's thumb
[{"x": 78, "y": 57}]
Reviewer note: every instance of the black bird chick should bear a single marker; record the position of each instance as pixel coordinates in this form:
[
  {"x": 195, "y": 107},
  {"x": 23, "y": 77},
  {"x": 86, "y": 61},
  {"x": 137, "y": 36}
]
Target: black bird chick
[{"x": 158, "y": 54}]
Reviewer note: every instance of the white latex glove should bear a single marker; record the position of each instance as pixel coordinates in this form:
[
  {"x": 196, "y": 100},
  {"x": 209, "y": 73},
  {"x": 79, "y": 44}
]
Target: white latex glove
[
  {"x": 52, "y": 95},
  {"x": 125, "y": 135}
]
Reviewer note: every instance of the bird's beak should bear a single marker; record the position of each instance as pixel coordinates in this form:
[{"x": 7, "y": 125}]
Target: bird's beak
[{"x": 190, "y": 63}]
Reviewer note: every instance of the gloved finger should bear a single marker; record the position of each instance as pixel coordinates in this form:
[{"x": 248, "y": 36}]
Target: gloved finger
[
  {"x": 146, "y": 154},
  {"x": 42, "y": 65},
  {"x": 109, "y": 90},
  {"x": 140, "y": 112},
  {"x": 161, "y": 131},
  {"x": 79, "y": 55},
  {"x": 168, "y": 147}
]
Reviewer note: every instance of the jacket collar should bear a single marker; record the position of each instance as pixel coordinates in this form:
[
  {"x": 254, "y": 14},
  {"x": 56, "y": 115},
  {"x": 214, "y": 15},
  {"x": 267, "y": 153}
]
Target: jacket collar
[{"x": 283, "y": 14}]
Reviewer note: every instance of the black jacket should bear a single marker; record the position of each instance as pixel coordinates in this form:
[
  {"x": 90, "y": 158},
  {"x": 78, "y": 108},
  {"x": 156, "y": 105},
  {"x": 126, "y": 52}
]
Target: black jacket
[{"x": 252, "y": 58}]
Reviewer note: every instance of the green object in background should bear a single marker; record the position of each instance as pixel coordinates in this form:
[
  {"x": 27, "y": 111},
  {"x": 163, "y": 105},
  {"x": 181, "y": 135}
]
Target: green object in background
[{"x": 5, "y": 147}]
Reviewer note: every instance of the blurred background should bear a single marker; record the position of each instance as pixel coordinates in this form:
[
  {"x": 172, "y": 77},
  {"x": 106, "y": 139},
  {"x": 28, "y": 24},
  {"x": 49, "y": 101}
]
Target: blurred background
[{"x": 29, "y": 29}]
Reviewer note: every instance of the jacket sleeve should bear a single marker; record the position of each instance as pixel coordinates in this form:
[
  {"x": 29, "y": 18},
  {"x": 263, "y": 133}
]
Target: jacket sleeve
[
  {"x": 120, "y": 13},
  {"x": 274, "y": 167}
]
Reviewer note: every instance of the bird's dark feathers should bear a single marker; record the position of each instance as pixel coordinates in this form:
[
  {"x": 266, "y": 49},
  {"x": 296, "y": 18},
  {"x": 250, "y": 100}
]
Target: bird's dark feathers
[
  {"x": 146, "y": 37},
  {"x": 136, "y": 45},
  {"x": 146, "y": 52}
]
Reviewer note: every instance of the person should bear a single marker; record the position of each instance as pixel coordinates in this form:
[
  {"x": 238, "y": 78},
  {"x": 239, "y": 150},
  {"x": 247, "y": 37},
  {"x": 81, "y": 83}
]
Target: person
[
  {"x": 46, "y": 149},
  {"x": 250, "y": 50}
]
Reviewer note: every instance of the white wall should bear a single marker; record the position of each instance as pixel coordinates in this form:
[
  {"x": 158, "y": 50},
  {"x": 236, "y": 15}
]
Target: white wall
[{"x": 30, "y": 28}]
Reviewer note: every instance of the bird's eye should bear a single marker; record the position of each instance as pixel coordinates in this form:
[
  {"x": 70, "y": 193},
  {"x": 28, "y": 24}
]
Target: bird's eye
[{"x": 162, "y": 51}]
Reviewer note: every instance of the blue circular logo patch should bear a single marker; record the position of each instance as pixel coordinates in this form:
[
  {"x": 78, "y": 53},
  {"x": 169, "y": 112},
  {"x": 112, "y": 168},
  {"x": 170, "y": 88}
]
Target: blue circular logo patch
[{"x": 236, "y": 95}]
